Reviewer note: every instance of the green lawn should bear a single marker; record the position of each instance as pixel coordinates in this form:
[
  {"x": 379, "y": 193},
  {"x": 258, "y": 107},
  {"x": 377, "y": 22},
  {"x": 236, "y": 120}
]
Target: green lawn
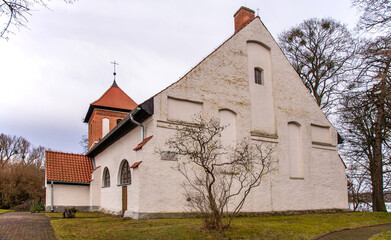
[
  {"x": 4, "y": 210},
  {"x": 382, "y": 236},
  {"x": 101, "y": 226}
]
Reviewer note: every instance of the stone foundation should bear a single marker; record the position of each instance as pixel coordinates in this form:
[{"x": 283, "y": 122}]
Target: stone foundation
[
  {"x": 80, "y": 208},
  {"x": 143, "y": 215}
]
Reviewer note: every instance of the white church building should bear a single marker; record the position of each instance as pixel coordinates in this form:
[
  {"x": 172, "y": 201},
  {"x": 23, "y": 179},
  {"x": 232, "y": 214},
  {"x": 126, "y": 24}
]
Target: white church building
[{"x": 247, "y": 83}]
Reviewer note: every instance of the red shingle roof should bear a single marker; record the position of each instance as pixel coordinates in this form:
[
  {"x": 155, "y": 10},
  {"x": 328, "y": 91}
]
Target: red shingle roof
[
  {"x": 68, "y": 167},
  {"x": 114, "y": 97},
  {"x": 140, "y": 145}
]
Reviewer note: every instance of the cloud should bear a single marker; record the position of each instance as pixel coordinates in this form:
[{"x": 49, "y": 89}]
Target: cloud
[{"x": 51, "y": 72}]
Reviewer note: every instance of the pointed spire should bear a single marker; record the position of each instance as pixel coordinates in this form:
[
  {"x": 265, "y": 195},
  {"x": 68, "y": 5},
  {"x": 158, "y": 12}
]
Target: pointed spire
[{"x": 114, "y": 84}]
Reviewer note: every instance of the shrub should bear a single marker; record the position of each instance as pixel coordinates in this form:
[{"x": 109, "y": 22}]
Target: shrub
[{"x": 37, "y": 208}]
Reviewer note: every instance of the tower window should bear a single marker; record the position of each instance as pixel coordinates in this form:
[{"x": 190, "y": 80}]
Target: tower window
[
  {"x": 119, "y": 120},
  {"x": 258, "y": 75}
]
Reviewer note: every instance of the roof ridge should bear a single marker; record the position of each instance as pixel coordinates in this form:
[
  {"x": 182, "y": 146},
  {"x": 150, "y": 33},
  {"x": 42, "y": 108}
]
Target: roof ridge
[
  {"x": 79, "y": 154},
  {"x": 199, "y": 63},
  {"x": 181, "y": 78}
]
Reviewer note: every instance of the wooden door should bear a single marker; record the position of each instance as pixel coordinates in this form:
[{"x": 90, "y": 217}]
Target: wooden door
[{"x": 124, "y": 199}]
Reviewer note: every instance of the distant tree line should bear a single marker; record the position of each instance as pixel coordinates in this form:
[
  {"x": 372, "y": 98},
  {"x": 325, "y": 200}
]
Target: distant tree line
[
  {"x": 22, "y": 173},
  {"x": 348, "y": 74}
]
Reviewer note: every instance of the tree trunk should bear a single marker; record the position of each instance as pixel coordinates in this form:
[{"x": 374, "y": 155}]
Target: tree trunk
[
  {"x": 377, "y": 185},
  {"x": 377, "y": 160}
]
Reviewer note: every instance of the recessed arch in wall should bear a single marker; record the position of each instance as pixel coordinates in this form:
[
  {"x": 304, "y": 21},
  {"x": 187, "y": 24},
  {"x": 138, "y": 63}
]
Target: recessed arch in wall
[
  {"x": 229, "y": 134},
  {"x": 295, "y": 150},
  {"x": 260, "y": 43}
]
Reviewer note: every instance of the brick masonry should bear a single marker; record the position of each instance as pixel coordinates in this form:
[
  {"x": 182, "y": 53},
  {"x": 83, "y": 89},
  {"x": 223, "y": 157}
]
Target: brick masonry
[
  {"x": 95, "y": 123},
  {"x": 25, "y": 225}
]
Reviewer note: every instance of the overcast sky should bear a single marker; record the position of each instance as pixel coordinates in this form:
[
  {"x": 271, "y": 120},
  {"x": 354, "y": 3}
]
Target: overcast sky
[{"x": 51, "y": 72}]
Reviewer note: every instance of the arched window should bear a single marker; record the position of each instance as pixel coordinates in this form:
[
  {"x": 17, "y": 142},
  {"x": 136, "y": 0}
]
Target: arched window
[
  {"x": 125, "y": 173},
  {"x": 106, "y": 178},
  {"x": 119, "y": 120}
]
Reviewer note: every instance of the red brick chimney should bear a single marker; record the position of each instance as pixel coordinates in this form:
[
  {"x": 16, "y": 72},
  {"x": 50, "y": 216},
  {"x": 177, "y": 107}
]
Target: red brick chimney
[{"x": 242, "y": 17}]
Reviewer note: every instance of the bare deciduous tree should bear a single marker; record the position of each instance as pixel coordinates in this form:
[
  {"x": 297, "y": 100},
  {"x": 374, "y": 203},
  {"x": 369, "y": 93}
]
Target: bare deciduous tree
[
  {"x": 84, "y": 143},
  {"x": 14, "y": 13},
  {"x": 366, "y": 115},
  {"x": 18, "y": 149},
  {"x": 218, "y": 179},
  {"x": 20, "y": 183},
  {"x": 21, "y": 171},
  {"x": 376, "y": 15},
  {"x": 320, "y": 51},
  {"x": 359, "y": 186}
]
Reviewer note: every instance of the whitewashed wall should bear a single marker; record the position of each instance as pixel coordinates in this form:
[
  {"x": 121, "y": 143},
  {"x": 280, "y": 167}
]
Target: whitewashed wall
[
  {"x": 67, "y": 195},
  {"x": 262, "y": 113},
  {"x": 111, "y": 197},
  {"x": 95, "y": 187}
]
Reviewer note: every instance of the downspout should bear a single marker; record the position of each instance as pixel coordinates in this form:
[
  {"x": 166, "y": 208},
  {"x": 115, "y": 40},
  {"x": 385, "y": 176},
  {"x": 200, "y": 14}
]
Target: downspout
[
  {"x": 51, "y": 196},
  {"x": 131, "y": 116},
  {"x": 93, "y": 163}
]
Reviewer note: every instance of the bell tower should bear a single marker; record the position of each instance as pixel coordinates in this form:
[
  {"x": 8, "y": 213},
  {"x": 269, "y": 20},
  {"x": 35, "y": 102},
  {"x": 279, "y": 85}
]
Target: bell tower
[{"x": 106, "y": 112}]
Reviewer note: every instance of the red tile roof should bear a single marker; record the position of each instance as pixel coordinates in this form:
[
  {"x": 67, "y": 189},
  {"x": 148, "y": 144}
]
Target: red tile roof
[
  {"x": 114, "y": 97},
  {"x": 140, "y": 145},
  {"x": 68, "y": 167},
  {"x": 134, "y": 165}
]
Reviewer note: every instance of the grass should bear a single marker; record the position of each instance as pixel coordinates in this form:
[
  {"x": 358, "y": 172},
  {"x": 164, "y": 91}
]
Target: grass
[
  {"x": 4, "y": 210},
  {"x": 78, "y": 215},
  {"x": 382, "y": 236},
  {"x": 101, "y": 226}
]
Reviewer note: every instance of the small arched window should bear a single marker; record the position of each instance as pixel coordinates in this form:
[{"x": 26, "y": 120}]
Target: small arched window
[
  {"x": 106, "y": 178},
  {"x": 119, "y": 120},
  {"x": 258, "y": 75},
  {"x": 125, "y": 173}
]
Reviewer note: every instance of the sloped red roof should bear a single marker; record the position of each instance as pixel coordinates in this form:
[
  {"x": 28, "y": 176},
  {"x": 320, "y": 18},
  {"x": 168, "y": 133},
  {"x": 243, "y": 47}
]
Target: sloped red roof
[
  {"x": 68, "y": 167},
  {"x": 114, "y": 97},
  {"x": 140, "y": 145}
]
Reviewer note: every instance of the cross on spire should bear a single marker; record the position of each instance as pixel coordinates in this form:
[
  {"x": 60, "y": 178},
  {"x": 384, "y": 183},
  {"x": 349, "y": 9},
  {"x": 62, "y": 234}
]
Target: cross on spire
[{"x": 114, "y": 63}]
